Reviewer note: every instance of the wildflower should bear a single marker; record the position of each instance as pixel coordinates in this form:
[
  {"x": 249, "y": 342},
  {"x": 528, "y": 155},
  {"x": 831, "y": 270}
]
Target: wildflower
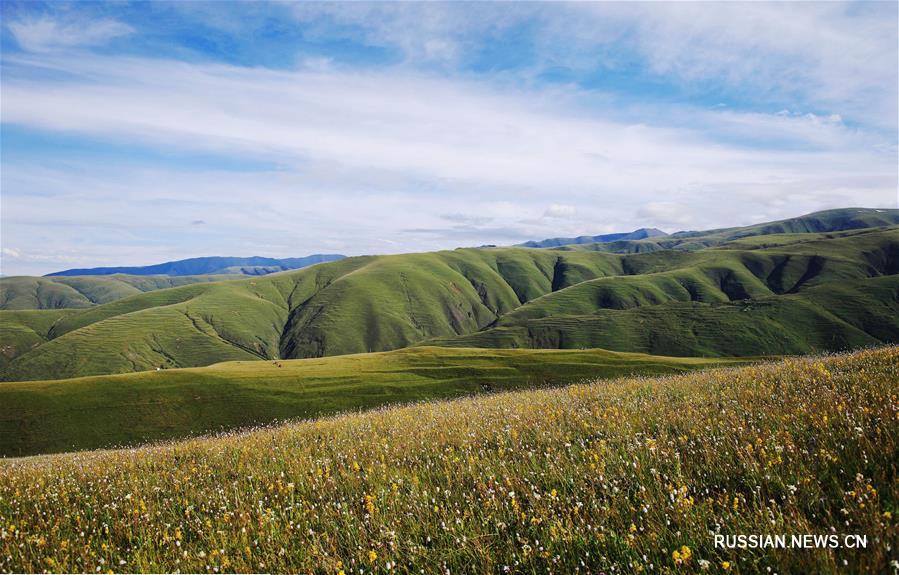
[
  {"x": 372, "y": 556},
  {"x": 682, "y": 555},
  {"x": 725, "y": 565}
]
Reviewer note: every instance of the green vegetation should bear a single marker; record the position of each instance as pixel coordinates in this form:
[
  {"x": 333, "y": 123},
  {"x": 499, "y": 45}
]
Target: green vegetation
[
  {"x": 764, "y": 295},
  {"x": 22, "y": 331},
  {"x": 105, "y": 411},
  {"x": 626, "y": 476},
  {"x": 811, "y": 295},
  {"x": 826, "y": 224},
  {"x": 824, "y": 221},
  {"x": 23, "y": 292}
]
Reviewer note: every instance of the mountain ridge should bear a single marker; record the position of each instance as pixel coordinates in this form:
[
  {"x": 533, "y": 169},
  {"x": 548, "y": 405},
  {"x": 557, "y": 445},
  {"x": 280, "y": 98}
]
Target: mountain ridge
[
  {"x": 756, "y": 295},
  {"x": 638, "y": 234},
  {"x": 211, "y": 265}
]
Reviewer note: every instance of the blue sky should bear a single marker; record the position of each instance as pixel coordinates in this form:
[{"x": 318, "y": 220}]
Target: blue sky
[{"x": 134, "y": 133}]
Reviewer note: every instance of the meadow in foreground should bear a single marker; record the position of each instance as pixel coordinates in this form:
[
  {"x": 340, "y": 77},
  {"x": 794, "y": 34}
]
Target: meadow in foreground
[{"x": 628, "y": 476}]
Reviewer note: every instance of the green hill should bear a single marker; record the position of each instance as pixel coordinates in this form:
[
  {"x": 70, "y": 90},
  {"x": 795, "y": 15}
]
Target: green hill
[
  {"x": 25, "y": 292},
  {"x": 622, "y": 476},
  {"x": 350, "y": 306},
  {"x": 829, "y": 223},
  {"x": 104, "y": 411},
  {"x": 810, "y": 295},
  {"x": 824, "y": 221},
  {"x": 740, "y": 298},
  {"x": 22, "y": 331}
]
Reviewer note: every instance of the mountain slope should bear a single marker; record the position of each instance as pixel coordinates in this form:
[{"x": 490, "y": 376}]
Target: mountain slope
[
  {"x": 349, "y": 306},
  {"x": 823, "y": 221},
  {"x": 25, "y": 292},
  {"x": 759, "y": 296},
  {"x": 814, "y": 295},
  {"x": 210, "y": 265},
  {"x": 827, "y": 222}
]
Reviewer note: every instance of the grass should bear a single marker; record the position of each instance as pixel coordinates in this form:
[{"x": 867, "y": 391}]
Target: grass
[
  {"x": 628, "y": 476},
  {"x": 58, "y": 292},
  {"x": 767, "y": 301},
  {"x": 106, "y": 411},
  {"x": 757, "y": 301},
  {"x": 829, "y": 317},
  {"x": 24, "y": 330},
  {"x": 825, "y": 224}
]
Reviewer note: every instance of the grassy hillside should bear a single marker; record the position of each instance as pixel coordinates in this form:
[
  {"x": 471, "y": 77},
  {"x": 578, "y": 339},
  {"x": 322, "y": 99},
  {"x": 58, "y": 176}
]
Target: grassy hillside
[
  {"x": 626, "y": 476},
  {"x": 852, "y": 316},
  {"x": 811, "y": 295},
  {"x": 24, "y": 292},
  {"x": 104, "y": 411},
  {"x": 753, "y": 297},
  {"x": 350, "y": 306},
  {"x": 823, "y": 221},
  {"x": 819, "y": 225},
  {"x": 22, "y": 331}
]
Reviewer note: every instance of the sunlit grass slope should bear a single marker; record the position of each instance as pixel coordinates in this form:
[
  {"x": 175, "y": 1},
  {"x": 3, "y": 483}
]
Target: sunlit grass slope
[
  {"x": 723, "y": 301},
  {"x": 103, "y": 411},
  {"x": 23, "y": 330},
  {"x": 25, "y": 292},
  {"x": 350, "y": 306},
  {"x": 829, "y": 223},
  {"x": 628, "y": 476},
  {"x": 811, "y": 295}
]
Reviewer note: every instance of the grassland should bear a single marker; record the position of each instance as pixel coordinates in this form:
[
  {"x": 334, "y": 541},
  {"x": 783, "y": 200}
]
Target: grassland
[
  {"x": 825, "y": 224},
  {"x": 105, "y": 411},
  {"x": 30, "y": 293},
  {"x": 628, "y": 476},
  {"x": 801, "y": 296},
  {"x": 761, "y": 295}
]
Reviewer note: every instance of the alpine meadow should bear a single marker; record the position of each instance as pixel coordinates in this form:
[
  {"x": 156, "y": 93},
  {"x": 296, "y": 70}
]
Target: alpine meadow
[{"x": 359, "y": 288}]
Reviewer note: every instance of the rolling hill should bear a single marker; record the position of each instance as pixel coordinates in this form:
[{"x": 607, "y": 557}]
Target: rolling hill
[
  {"x": 253, "y": 266},
  {"x": 30, "y": 293},
  {"x": 785, "y": 299},
  {"x": 752, "y": 295},
  {"x": 828, "y": 222},
  {"x": 115, "y": 410}
]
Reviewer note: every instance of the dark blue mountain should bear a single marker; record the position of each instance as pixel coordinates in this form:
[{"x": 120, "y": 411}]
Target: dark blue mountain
[{"x": 212, "y": 265}]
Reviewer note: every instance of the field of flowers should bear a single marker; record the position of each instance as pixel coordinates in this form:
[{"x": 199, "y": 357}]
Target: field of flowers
[{"x": 628, "y": 476}]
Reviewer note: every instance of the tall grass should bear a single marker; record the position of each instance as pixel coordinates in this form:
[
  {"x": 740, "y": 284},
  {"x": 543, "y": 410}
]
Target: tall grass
[{"x": 629, "y": 476}]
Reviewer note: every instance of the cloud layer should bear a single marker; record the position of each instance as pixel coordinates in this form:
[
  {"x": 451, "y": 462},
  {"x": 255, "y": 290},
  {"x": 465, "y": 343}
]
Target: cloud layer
[{"x": 177, "y": 157}]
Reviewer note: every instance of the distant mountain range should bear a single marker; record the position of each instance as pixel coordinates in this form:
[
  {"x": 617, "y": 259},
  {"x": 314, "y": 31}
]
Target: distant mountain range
[
  {"x": 641, "y": 234},
  {"x": 252, "y": 266}
]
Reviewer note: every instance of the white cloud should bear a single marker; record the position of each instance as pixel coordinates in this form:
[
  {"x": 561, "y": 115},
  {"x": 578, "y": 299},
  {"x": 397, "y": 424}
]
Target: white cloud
[
  {"x": 384, "y": 154},
  {"x": 560, "y": 211},
  {"x": 11, "y": 252},
  {"x": 836, "y": 56},
  {"x": 46, "y": 34},
  {"x": 666, "y": 214}
]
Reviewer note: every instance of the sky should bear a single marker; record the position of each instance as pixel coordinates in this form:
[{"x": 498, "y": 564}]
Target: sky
[{"x": 140, "y": 132}]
